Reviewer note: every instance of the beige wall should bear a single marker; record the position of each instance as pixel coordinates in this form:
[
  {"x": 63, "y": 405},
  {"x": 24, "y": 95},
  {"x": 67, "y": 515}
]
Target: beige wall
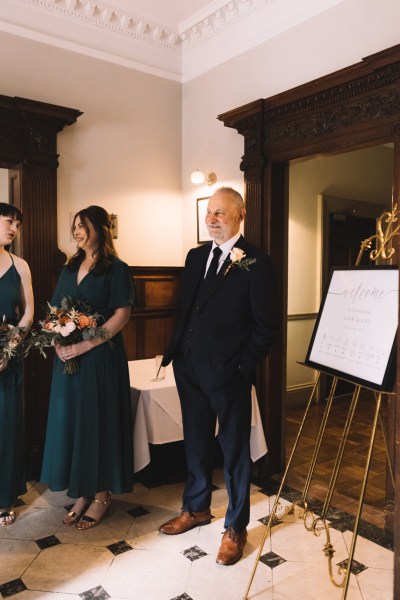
[{"x": 124, "y": 152}]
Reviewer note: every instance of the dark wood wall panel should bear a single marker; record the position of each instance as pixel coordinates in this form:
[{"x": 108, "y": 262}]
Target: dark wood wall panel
[
  {"x": 150, "y": 327},
  {"x": 159, "y": 294},
  {"x": 157, "y": 333},
  {"x": 156, "y": 287}
]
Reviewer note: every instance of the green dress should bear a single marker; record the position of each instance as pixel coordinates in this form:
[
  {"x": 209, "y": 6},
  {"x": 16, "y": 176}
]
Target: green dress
[
  {"x": 12, "y": 467},
  {"x": 89, "y": 430}
]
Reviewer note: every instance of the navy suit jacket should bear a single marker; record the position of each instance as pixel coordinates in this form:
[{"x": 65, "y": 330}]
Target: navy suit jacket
[{"x": 236, "y": 319}]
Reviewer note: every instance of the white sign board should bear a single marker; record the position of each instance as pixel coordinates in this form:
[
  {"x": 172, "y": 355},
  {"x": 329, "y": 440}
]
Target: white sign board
[{"x": 356, "y": 327}]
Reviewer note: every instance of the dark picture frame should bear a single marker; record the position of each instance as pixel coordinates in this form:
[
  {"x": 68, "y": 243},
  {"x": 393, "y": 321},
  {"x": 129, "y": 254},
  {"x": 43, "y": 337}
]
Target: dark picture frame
[
  {"x": 354, "y": 336},
  {"x": 202, "y": 232}
]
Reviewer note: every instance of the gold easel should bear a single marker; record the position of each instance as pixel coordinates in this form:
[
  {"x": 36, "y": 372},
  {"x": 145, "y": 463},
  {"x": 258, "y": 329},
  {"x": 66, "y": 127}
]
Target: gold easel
[{"x": 387, "y": 228}]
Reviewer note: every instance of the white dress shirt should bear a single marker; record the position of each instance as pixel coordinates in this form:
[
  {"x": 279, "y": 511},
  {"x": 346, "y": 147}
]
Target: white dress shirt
[{"x": 226, "y": 247}]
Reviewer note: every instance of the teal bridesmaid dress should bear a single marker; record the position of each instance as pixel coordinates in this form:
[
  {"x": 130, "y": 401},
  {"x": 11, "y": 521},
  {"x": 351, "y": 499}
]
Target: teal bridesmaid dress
[
  {"x": 12, "y": 467},
  {"x": 89, "y": 430}
]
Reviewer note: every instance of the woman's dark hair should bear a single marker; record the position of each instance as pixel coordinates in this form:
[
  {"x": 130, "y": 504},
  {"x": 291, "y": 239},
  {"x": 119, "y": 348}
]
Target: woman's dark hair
[
  {"x": 8, "y": 210},
  {"x": 101, "y": 221}
]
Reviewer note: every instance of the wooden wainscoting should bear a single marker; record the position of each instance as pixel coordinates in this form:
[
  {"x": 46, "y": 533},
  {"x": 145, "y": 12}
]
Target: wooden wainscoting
[{"x": 150, "y": 327}]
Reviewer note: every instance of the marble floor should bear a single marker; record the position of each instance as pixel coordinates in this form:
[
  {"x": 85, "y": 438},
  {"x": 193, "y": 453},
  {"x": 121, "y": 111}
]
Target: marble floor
[{"x": 126, "y": 558}]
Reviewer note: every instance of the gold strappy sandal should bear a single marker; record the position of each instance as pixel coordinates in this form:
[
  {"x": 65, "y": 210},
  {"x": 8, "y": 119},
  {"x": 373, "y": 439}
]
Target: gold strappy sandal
[
  {"x": 74, "y": 517},
  {"x": 90, "y": 521},
  {"x": 7, "y": 514}
]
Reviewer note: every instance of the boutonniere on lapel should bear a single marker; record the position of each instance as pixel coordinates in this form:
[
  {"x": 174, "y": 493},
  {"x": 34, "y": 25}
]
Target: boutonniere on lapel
[{"x": 237, "y": 257}]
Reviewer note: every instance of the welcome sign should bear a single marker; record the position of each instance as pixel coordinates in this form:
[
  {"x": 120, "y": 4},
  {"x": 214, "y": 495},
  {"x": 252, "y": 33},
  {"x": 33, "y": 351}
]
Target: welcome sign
[{"x": 354, "y": 335}]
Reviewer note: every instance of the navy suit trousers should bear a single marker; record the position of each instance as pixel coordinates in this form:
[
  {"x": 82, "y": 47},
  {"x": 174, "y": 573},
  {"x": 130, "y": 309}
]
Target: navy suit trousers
[{"x": 231, "y": 404}]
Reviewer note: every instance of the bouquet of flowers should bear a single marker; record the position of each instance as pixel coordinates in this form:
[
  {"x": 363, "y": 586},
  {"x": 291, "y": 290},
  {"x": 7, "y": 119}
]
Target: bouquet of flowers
[
  {"x": 68, "y": 324},
  {"x": 10, "y": 337}
]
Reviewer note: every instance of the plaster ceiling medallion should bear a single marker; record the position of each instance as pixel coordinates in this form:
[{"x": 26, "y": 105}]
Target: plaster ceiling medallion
[{"x": 118, "y": 20}]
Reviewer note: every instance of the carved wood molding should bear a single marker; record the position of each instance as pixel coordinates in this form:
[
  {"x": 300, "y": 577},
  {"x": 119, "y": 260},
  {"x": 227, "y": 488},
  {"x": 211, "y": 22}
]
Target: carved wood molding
[
  {"x": 361, "y": 102},
  {"x": 331, "y": 120},
  {"x": 28, "y": 131},
  {"x": 343, "y": 92}
]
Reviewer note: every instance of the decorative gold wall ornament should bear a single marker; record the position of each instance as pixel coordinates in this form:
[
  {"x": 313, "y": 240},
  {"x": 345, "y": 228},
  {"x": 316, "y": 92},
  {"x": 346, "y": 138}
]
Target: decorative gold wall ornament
[{"x": 387, "y": 228}]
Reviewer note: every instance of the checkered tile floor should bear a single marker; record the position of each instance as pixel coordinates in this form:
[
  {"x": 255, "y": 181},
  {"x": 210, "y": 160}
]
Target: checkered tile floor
[{"x": 126, "y": 558}]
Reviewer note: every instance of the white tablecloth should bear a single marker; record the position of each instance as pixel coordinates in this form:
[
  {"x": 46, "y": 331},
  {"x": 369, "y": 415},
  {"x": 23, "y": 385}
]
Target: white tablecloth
[{"x": 157, "y": 413}]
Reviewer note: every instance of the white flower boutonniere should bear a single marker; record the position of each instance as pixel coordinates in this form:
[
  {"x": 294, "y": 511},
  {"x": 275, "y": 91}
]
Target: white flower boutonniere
[{"x": 237, "y": 257}]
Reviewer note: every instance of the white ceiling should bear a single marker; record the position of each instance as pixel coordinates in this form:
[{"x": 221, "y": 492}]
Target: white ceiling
[{"x": 177, "y": 39}]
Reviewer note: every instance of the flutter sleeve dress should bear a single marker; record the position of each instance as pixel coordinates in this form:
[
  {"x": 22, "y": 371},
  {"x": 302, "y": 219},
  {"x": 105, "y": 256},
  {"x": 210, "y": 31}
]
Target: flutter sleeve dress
[
  {"x": 12, "y": 464},
  {"x": 88, "y": 445}
]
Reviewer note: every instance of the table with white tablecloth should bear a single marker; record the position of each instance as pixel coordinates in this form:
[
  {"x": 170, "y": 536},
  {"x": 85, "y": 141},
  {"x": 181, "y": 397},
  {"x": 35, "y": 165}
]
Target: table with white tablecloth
[{"x": 157, "y": 414}]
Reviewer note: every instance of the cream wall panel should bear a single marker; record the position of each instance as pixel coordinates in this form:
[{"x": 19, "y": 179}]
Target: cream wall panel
[
  {"x": 299, "y": 335},
  {"x": 124, "y": 152}
]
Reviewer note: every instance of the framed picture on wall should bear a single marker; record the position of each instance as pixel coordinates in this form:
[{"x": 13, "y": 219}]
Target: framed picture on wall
[
  {"x": 354, "y": 337},
  {"x": 202, "y": 231}
]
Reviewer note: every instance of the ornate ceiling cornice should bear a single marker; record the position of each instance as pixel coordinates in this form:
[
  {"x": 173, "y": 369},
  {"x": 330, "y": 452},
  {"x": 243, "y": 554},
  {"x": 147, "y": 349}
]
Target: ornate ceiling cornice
[
  {"x": 101, "y": 14},
  {"x": 107, "y": 30}
]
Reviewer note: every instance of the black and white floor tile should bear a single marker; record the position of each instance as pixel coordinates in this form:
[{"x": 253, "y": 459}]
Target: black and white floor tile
[{"x": 126, "y": 558}]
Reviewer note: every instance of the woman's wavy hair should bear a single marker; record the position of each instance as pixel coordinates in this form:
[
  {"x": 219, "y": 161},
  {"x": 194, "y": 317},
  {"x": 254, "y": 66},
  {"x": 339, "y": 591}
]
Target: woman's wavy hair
[
  {"x": 8, "y": 210},
  {"x": 101, "y": 221}
]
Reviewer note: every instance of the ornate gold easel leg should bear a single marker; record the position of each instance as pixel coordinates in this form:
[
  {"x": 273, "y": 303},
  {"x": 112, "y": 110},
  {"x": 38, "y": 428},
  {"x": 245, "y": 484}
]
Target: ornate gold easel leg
[
  {"x": 329, "y": 550},
  {"x": 315, "y": 526},
  {"x": 319, "y": 439},
  {"x": 339, "y": 455},
  {"x": 362, "y": 493},
  {"x": 276, "y": 503},
  {"x": 389, "y": 461}
]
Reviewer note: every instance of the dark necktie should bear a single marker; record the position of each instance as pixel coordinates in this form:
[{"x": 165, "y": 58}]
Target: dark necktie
[{"x": 212, "y": 269}]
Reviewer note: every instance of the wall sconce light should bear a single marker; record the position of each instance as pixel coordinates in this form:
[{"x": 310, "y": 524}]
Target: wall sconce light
[{"x": 198, "y": 177}]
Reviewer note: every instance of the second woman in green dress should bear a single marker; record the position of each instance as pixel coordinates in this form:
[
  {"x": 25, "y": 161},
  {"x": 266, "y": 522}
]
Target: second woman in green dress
[{"x": 89, "y": 448}]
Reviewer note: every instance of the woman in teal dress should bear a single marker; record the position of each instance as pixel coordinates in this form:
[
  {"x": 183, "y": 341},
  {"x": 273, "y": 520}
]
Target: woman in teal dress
[
  {"x": 88, "y": 448},
  {"x": 16, "y": 307}
]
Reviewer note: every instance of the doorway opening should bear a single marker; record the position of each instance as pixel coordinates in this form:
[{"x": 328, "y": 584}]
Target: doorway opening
[{"x": 334, "y": 202}]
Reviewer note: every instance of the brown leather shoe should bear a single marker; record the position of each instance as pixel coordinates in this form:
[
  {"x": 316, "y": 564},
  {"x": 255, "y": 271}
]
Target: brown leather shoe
[
  {"x": 186, "y": 520},
  {"x": 232, "y": 545}
]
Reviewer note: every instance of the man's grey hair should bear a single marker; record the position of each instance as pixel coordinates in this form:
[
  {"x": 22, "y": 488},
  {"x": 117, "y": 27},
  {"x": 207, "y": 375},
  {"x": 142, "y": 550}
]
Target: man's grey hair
[{"x": 235, "y": 195}]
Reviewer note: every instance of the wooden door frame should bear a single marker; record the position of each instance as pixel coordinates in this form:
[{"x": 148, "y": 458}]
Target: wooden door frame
[
  {"x": 28, "y": 148},
  {"x": 353, "y": 108}
]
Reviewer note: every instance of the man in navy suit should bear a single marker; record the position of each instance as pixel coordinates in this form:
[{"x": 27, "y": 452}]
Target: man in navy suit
[{"x": 226, "y": 322}]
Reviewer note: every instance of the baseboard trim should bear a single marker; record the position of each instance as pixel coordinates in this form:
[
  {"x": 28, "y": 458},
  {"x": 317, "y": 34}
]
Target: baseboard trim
[{"x": 297, "y": 396}]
